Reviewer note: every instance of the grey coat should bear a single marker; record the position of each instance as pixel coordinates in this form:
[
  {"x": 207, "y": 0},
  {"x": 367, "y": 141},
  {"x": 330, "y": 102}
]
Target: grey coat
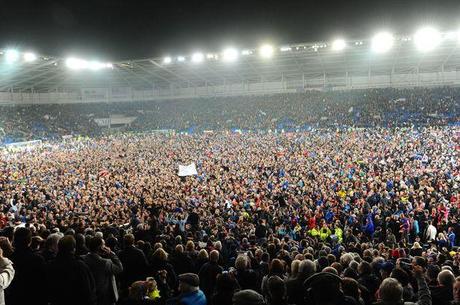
[{"x": 104, "y": 271}]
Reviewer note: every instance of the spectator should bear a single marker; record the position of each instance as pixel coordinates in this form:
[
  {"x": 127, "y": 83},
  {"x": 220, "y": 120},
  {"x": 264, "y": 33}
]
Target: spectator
[
  {"x": 69, "y": 279},
  {"x": 6, "y": 275},
  {"x": 190, "y": 293},
  {"x": 209, "y": 273},
  {"x": 248, "y": 297},
  {"x": 442, "y": 294},
  {"x": 456, "y": 290},
  {"x": 321, "y": 282},
  {"x": 391, "y": 291},
  {"x": 104, "y": 266},
  {"x": 294, "y": 287},
  {"x": 133, "y": 261},
  {"x": 226, "y": 287},
  {"x": 276, "y": 291},
  {"x": 29, "y": 268},
  {"x": 137, "y": 295}
]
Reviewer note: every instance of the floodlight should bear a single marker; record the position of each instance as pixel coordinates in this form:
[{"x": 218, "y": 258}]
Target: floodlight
[
  {"x": 167, "y": 60},
  {"x": 29, "y": 57},
  {"x": 427, "y": 38},
  {"x": 109, "y": 65},
  {"x": 230, "y": 55},
  {"x": 197, "y": 57},
  {"x": 382, "y": 42},
  {"x": 338, "y": 45},
  {"x": 285, "y": 49},
  {"x": 76, "y": 64},
  {"x": 180, "y": 58},
  {"x": 266, "y": 51},
  {"x": 11, "y": 56}
]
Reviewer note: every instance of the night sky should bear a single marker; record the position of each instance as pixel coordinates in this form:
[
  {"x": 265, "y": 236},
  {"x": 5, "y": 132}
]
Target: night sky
[{"x": 115, "y": 30}]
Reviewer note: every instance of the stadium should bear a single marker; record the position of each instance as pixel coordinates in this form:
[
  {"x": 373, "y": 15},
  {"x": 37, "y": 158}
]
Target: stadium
[
  {"x": 259, "y": 175},
  {"x": 426, "y": 58}
]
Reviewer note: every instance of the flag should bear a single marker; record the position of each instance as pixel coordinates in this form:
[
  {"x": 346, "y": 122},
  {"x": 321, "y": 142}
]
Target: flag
[{"x": 187, "y": 170}]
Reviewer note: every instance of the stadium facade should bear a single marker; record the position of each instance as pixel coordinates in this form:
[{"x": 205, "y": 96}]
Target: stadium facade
[{"x": 293, "y": 68}]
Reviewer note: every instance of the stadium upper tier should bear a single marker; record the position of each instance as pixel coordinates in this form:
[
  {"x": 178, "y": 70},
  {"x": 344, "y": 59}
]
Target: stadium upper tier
[
  {"x": 385, "y": 62},
  {"x": 289, "y": 111}
]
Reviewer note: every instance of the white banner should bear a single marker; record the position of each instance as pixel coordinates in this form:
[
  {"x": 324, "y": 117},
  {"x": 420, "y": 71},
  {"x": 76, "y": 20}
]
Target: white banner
[
  {"x": 187, "y": 170},
  {"x": 102, "y": 122}
]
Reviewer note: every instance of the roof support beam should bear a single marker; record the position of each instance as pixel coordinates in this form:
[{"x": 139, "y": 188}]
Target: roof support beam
[{"x": 25, "y": 80}]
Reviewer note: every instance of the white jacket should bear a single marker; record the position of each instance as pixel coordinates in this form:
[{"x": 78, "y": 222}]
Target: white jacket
[
  {"x": 431, "y": 232},
  {"x": 6, "y": 276}
]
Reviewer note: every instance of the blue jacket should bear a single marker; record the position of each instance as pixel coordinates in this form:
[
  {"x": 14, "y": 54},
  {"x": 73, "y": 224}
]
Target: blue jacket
[{"x": 193, "y": 298}]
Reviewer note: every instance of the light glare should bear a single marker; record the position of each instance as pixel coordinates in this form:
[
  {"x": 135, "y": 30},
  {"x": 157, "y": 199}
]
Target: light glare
[
  {"x": 197, "y": 57},
  {"x": 167, "y": 60},
  {"x": 11, "y": 56},
  {"x": 29, "y": 57},
  {"x": 338, "y": 45},
  {"x": 76, "y": 63},
  {"x": 452, "y": 35},
  {"x": 426, "y": 39},
  {"x": 95, "y": 65},
  {"x": 181, "y": 58},
  {"x": 382, "y": 42},
  {"x": 266, "y": 51},
  {"x": 230, "y": 55}
]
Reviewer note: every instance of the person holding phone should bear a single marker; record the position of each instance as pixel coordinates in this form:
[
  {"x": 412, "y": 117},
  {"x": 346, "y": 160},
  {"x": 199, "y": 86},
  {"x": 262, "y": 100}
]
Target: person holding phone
[
  {"x": 391, "y": 291},
  {"x": 104, "y": 265}
]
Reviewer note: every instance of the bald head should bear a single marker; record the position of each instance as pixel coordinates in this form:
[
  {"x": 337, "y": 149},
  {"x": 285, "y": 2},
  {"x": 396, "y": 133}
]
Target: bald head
[{"x": 446, "y": 278}]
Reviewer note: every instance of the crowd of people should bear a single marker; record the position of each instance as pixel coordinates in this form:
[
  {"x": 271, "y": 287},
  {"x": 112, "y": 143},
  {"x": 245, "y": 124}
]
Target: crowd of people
[
  {"x": 326, "y": 216},
  {"x": 387, "y": 107}
]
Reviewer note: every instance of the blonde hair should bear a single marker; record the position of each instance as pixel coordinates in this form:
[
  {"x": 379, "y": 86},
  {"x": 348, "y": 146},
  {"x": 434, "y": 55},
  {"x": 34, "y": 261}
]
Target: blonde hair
[
  {"x": 203, "y": 254},
  {"x": 295, "y": 267},
  {"x": 241, "y": 262},
  {"x": 218, "y": 245},
  {"x": 160, "y": 254},
  {"x": 190, "y": 246}
]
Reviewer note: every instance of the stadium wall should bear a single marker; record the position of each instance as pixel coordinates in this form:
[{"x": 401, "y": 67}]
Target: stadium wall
[{"x": 286, "y": 85}]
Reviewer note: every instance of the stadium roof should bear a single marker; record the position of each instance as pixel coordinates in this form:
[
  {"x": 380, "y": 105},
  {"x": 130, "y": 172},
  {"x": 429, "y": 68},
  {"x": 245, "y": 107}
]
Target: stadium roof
[{"x": 295, "y": 61}]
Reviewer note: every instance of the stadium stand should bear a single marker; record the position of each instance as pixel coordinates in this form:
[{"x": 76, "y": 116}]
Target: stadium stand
[
  {"x": 288, "y": 112},
  {"x": 320, "y": 178}
]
